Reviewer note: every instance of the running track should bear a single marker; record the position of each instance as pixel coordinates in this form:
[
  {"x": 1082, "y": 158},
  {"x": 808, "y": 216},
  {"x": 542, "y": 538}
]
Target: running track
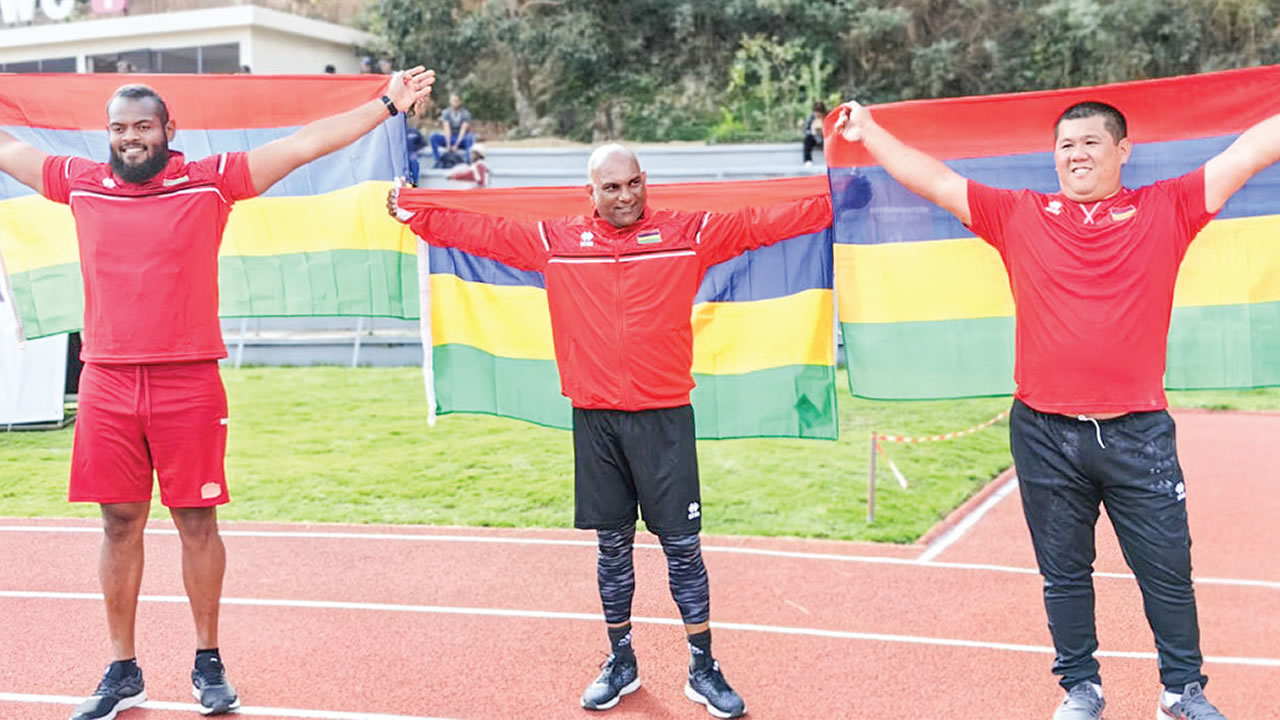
[{"x": 371, "y": 623}]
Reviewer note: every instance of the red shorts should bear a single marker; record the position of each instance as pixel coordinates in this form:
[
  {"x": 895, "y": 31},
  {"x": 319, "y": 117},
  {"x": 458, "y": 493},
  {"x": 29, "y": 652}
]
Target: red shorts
[{"x": 133, "y": 419}]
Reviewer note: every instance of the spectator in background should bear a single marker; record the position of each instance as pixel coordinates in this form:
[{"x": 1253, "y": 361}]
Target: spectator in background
[
  {"x": 457, "y": 138},
  {"x": 476, "y": 173},
  {"x": 330, "y": 69},
  {"x": 245, "y": 70},
  {"x": 366, "y": 65},
  {"x": 124, "y": 66},
  {"x": 414, "y": 144},
  {"x": 384, "y": 66},
  {"x": 813, "y": 131}
]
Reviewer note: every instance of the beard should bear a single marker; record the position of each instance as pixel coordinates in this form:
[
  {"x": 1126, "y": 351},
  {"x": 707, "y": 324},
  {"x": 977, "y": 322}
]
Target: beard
[{"x": 143, "y": 171}]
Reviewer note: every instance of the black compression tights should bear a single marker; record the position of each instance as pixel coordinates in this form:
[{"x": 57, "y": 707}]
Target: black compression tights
[
  {"x": 688, "y": 577},
  {"x": 686, "y": 573},
  {"x": 615, "y": 573}
]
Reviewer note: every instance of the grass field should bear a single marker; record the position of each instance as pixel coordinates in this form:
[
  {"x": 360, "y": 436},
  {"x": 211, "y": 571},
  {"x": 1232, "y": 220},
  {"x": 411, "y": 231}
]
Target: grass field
[{"x": 352, "y": 445}]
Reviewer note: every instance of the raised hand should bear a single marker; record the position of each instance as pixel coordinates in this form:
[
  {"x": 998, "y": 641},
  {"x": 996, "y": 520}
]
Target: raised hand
[
  {"x": 408, "y": 87},
  {"x": 853, "y": 118}
]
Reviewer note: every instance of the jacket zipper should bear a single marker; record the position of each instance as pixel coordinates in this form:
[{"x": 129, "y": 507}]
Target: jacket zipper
[{"x": 623, "y": 375}]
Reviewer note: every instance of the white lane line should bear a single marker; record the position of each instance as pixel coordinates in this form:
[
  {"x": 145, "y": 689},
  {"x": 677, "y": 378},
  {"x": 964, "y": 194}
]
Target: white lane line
[
  {"x": 728, "y": 550},
  {"x": 966, "y": 524},
  {"x": 593, "y": 617},
  {"x": 247, "y": 710}
]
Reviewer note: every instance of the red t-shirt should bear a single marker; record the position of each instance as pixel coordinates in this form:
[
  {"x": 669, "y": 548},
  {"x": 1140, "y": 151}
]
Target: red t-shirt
[
  {"x": 1093, "y": 286},
  {"x": 149, "y": 254}
]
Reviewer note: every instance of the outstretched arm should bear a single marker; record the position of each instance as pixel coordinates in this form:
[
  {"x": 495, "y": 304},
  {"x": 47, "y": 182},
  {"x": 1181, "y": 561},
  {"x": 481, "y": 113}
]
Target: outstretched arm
[
  {"x": 725, "y": 235},
  {"x": 518, "y": 244},
  {"x": 24, "y": 162},
  {"x": 1226, "y": 172},
  {"x": 271, "y": 162},
  {"x": 922, "y": 174}
]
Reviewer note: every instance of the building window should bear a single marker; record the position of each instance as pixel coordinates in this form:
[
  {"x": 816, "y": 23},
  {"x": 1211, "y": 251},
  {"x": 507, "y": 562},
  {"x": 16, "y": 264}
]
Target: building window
[
  {"x": 196, "y": 59},
  {"x": 40, "y": 66},
  {"x": 220, "y": 58}
]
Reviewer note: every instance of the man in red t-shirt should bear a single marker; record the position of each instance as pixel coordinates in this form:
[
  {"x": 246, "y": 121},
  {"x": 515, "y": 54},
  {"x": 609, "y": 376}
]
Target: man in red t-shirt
[
  {"x": 1092, "y": 269},
  {"x": 149, "y": 224}
]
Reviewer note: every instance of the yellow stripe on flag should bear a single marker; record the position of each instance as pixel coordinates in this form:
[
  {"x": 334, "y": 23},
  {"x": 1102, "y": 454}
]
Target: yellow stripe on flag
[
  {"x": 1231, "y": 262},
  {"x": 513, "y": 321},
  {"x": 37, "y": 233}
]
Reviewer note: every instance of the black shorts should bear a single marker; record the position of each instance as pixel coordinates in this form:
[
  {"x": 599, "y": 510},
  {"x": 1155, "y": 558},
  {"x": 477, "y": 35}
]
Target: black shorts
[{"x": 627, "y": 458}]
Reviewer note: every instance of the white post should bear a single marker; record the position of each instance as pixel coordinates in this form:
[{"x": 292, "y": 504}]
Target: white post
[
  {"x": 355, "y": 351},
  {"x": 871, "y": 483}
]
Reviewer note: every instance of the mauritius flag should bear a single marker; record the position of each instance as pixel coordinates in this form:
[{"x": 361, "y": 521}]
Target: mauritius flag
[
  {"x": 925, "y": 307},
  {"x": 317, "y": 243},
  {"x": 762, "y": 322}
]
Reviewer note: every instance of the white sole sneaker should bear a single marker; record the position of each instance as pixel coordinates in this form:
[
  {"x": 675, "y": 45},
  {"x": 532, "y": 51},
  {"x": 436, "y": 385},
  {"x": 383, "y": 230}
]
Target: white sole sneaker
[
  {"x": 126, "y": 704},
  {"x": 195, "y": 693},
  {"x": 627, "y": 689},
  {"x": 697, "y": 697}
]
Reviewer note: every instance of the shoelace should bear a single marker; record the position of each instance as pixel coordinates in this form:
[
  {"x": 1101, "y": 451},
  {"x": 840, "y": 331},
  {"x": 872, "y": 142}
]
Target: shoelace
[
  {"x": 1085, "y": 695},
  {"x": 108, "y": 685},
  {"x": 212, "y": 676},
  {"x": 715, "y": 678},
  {"x": 1198, "y": 707}
]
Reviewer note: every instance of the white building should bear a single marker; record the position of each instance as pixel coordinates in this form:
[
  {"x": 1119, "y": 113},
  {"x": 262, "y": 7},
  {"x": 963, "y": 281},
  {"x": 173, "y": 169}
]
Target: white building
[{"x": 38, "y": 36}]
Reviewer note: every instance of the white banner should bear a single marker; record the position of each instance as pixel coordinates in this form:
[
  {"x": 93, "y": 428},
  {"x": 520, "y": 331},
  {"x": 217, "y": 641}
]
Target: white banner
[{"x": 33, "y": 375}]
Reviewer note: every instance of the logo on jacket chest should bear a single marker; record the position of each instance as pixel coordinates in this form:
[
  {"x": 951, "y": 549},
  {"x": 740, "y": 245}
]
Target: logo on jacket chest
[
  {"x": 587, "y": 239},
  {"x": 649, "y": 237},
  {"x": 1121, "y": 214}
]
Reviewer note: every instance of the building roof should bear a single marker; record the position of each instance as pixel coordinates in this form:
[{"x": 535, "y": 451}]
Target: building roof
[{"x": 222, "y": 18}]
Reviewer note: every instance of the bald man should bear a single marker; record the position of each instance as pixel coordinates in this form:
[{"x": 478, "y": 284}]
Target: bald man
[{"x": 620, "y": 285}]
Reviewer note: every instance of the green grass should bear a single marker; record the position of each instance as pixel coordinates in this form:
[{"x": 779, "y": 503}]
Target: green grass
[{"x": 344, "y": 445}]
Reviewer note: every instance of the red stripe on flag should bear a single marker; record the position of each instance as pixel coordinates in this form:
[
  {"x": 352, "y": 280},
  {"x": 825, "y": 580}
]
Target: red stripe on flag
[
  {"x": 1177, "y": 108},
  {"x": 202, "y": 102},
  {"x": 530, "y": 204}
]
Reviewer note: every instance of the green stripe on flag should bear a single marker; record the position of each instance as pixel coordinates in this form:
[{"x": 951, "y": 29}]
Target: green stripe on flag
[
  {"x": 471, "y": 380},
  {"x": 789, "y": 401},
  {"x": 368, "y": 283},
  {"x": 1210, "y": 346},
  {"x": 929, "y": 360},
  {"x": 374, "y": 283},
  {"x": 49, "y": 299},
  {"x": 1224, "y": 346}
]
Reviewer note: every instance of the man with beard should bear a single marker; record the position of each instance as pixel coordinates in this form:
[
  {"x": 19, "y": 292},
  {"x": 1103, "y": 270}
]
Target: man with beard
[
  {"x": 620, "y": 286},
  {"x": 149, "y": 224}
]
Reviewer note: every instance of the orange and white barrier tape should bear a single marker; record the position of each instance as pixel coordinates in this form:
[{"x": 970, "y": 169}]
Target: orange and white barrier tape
[
  {"x": 902, "y": 480},
  {"x": 945, "y": 436}
]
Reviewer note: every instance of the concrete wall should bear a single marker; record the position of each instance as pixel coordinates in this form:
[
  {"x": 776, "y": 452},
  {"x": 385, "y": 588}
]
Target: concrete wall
[{"x": 666, "y": 163}]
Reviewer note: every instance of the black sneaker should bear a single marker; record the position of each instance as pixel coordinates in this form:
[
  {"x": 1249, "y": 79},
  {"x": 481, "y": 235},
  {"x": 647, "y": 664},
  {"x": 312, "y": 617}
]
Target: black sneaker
[
  {"x": 616, "y": 679},
  {"x": 115, "y": 694},
  {"x": 211, "y": 689},
  {"x": 707, "y": 686}
]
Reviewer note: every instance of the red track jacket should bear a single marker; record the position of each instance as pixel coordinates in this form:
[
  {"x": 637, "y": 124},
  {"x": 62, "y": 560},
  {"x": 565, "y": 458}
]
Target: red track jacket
[{"x": 621, "y": 299}]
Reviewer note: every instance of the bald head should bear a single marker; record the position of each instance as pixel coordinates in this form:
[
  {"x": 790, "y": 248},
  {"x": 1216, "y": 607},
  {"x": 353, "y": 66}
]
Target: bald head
[
  {"x": 604, "y": 153},
  {"x": 617, "y": 184}
]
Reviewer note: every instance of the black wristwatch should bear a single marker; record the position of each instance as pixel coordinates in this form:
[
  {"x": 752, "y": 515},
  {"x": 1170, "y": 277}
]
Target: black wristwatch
[{"x": 391, "y": 107}]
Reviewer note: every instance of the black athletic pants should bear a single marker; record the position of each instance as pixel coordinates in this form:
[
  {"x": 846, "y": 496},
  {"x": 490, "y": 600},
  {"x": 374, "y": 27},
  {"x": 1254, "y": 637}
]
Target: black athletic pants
[{"x": 1066, "y": 467}]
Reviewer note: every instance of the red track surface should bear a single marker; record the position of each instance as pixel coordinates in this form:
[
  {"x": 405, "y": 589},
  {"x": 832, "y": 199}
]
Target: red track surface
[{"x": 848, "y": 635}]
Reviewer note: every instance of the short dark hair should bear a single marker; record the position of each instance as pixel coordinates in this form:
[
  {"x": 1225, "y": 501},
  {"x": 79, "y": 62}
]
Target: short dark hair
[
  {"x": 1113, "y": 119},
  {"x": 138, "y": 92}
]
